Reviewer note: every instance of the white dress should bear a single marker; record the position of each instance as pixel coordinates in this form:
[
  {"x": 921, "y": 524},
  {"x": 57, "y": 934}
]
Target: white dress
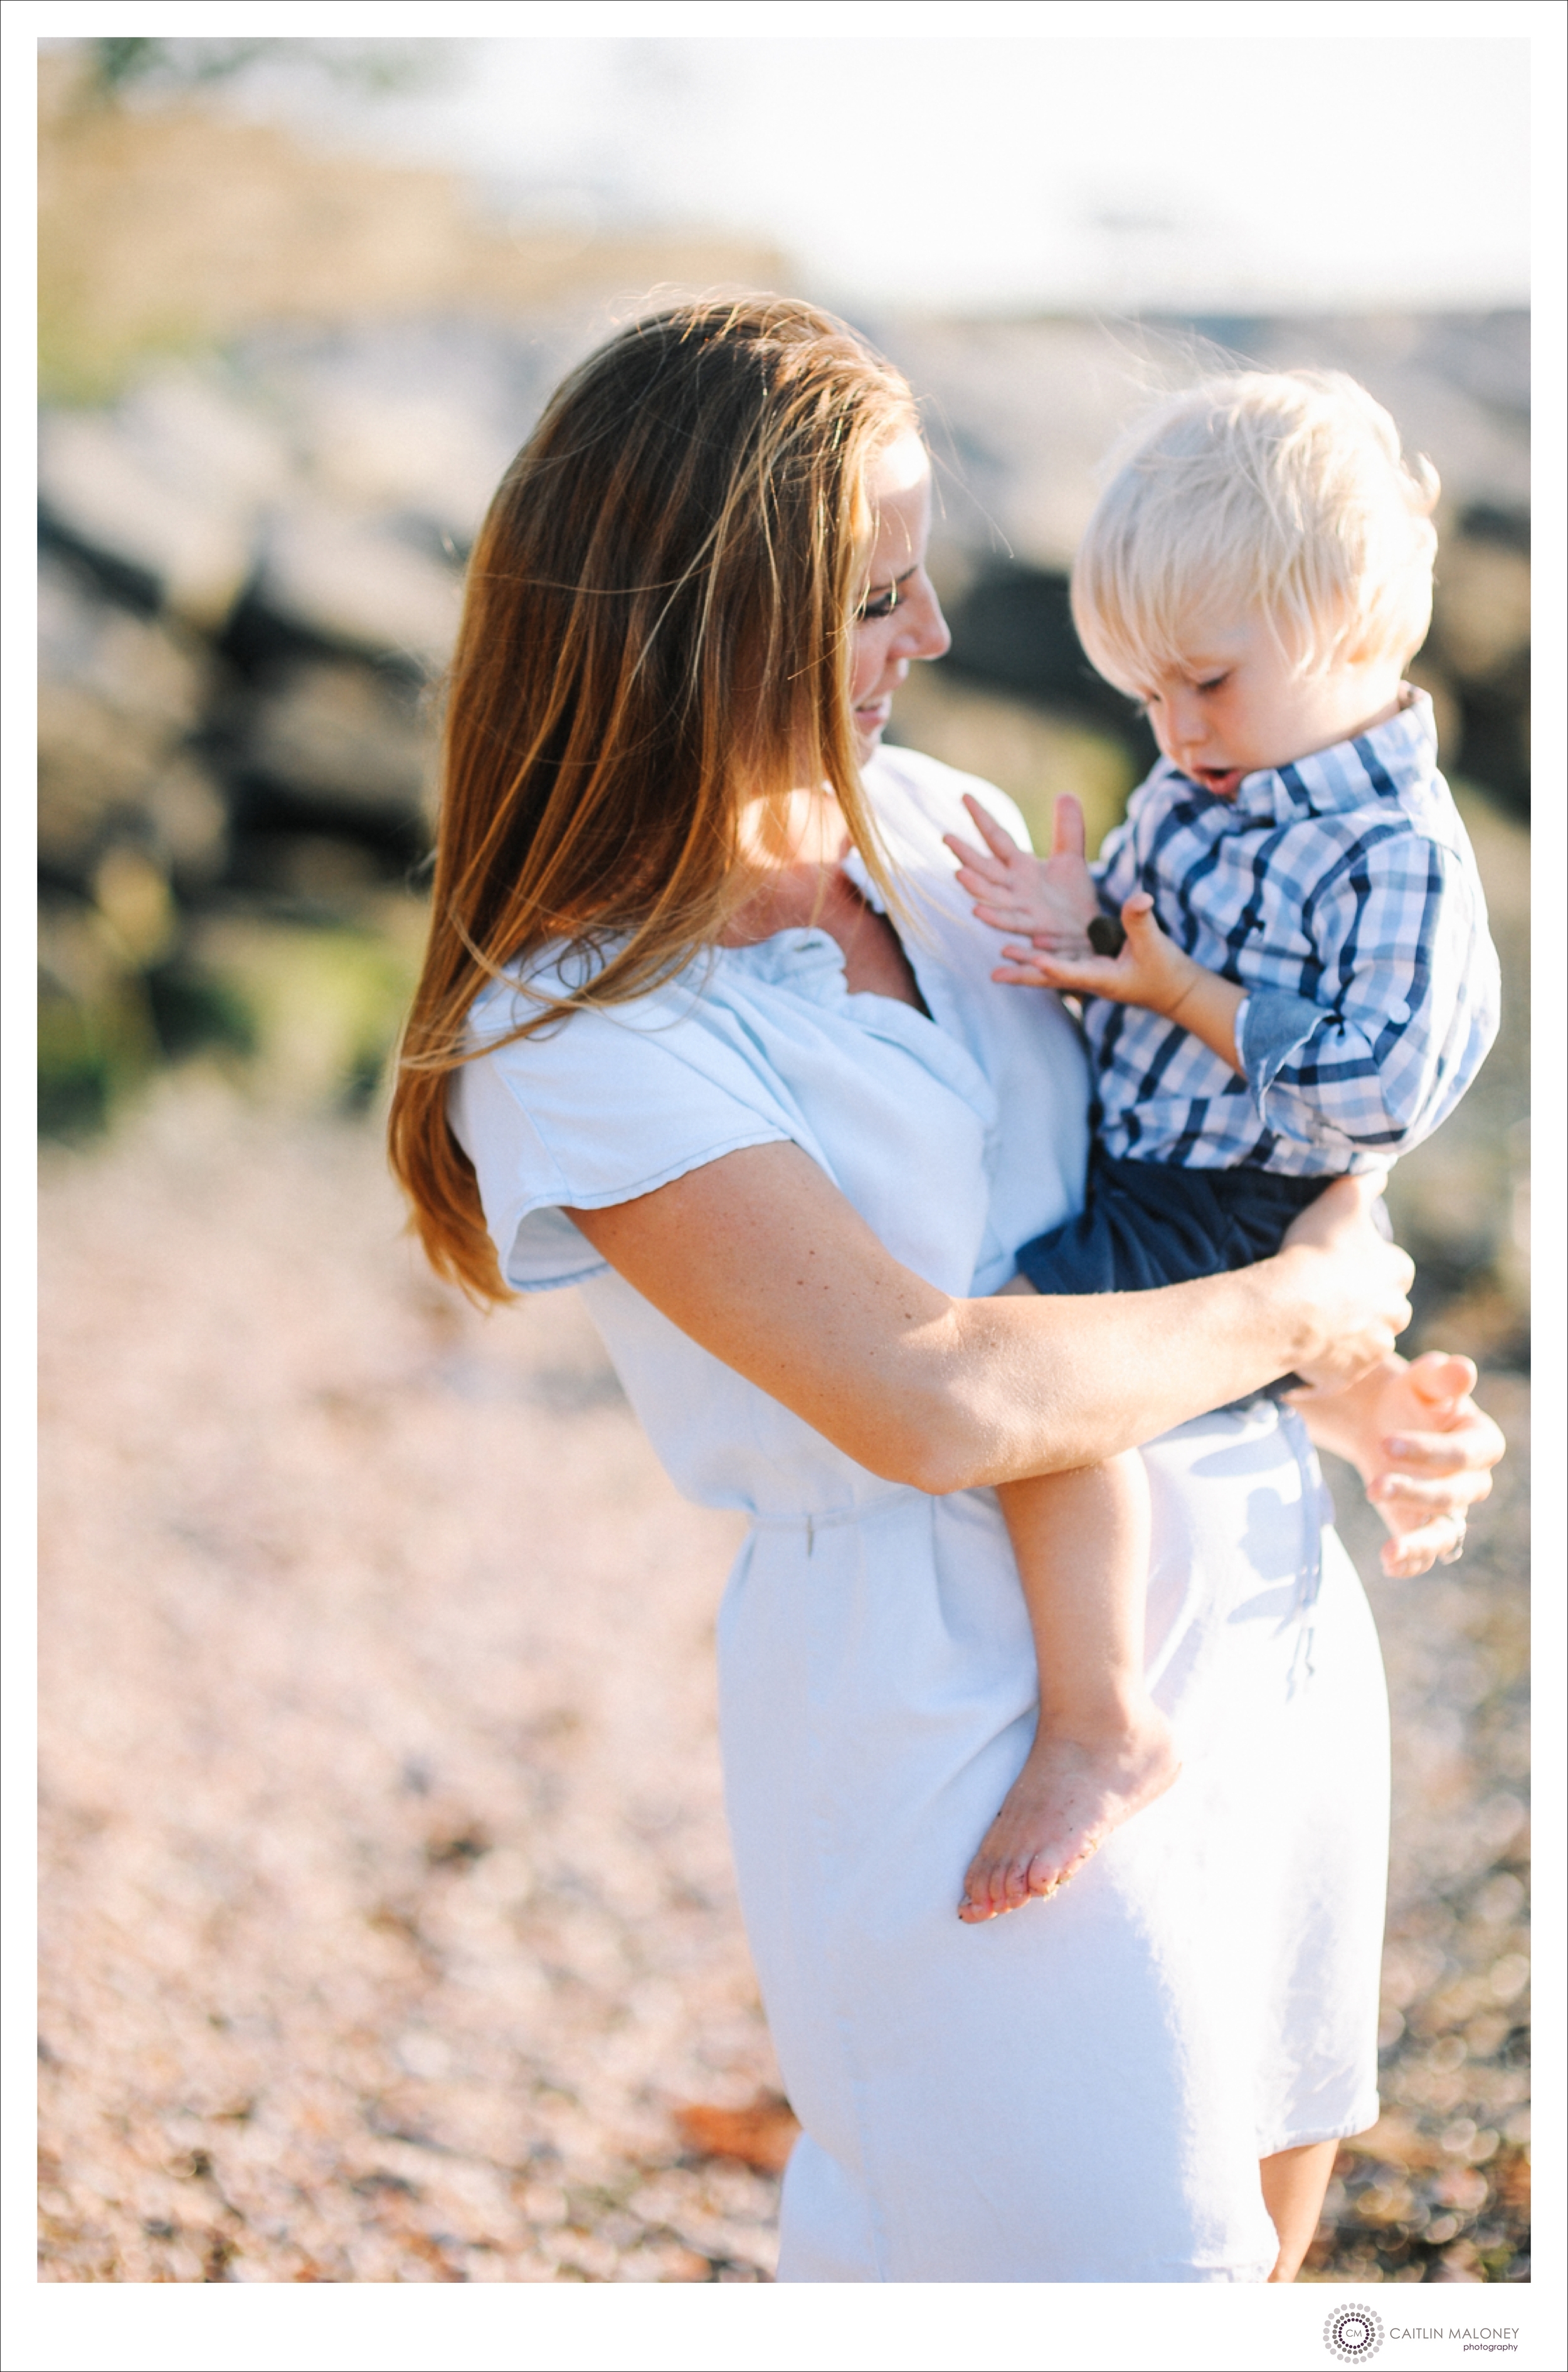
[{"x": 1080, "y": 2091}]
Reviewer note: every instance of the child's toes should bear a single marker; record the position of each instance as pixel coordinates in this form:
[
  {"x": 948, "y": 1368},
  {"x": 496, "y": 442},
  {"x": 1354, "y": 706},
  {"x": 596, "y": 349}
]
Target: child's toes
[
  {"x": 988, "y": 1903},
  {"x": 1016, "y": 1884},
  {"x": 976, "y": 1902},
  {"x": 996, "y": 1884}
]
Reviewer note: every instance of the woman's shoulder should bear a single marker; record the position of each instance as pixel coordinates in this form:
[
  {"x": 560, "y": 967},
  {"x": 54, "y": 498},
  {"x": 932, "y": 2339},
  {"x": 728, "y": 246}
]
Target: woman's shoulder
[
  {"x": 542, "y": 1031},
  {"x": 552, "y": 991},
  {"x": 907, "y": 786},
  {"x": 598, "y": 1105}
]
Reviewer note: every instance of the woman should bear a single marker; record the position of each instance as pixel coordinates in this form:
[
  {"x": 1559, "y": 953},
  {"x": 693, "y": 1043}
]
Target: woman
[{"x": 724, "y": 1051}]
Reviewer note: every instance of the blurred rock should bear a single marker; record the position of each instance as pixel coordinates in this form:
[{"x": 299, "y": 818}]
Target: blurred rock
[
  {"x": 1019, "y": 414},
  {"x": 253, "y": 571},
  {"x": 119, "y": 698},
  {"x": 343, "y": 736},
  {"x": 190, "y": 823},
  {"x": 150, "y": 676},
  {"x": 132, "y": 895},
  {"x": 75, "y": 955},
  {"x": 1480, "y": 635},
  {"x": 1484, "y": 608},
  {"x": 389, "y": 1915},
  {"x": 414, "y": 420},
  {"x": 341, "y": 578},
  {"x": 321, "y": 871},
  {"x": 168, "y": 490},
  {"x": 1459, "y": 385},
  {"x": 1012, "y": 628},
  {"x": 323, "y": 1004}
]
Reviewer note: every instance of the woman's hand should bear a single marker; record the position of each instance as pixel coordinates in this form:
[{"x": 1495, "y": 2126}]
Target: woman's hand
[
  {"x": 1354, "y": 1283},
  {"x": 1422, "y": 1447}
]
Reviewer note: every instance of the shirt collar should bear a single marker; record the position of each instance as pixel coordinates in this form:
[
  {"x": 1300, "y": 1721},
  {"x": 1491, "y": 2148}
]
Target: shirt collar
[{"x": 1390, "y": 762}]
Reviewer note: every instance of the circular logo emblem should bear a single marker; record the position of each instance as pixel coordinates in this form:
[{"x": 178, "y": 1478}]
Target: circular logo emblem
[{"x": 1354, "y": 2333}]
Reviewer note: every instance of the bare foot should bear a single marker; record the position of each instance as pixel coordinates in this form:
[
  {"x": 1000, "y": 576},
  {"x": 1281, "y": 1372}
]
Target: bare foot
[{"x": 1069, "y": 1796}]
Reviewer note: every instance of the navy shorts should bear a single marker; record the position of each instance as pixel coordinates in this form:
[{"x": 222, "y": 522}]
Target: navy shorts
[{"x": 1149, "y": 1223}]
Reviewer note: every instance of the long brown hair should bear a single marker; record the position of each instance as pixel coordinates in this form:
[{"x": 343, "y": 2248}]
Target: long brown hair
[{"x": 656, "y": 631}]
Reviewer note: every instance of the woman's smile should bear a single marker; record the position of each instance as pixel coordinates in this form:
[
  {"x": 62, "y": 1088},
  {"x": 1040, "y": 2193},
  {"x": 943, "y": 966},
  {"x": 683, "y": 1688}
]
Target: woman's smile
[{"x": 871, "y": 715}]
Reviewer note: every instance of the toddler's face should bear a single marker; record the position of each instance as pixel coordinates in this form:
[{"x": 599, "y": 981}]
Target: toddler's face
[{"x": 1234, "y": 708}]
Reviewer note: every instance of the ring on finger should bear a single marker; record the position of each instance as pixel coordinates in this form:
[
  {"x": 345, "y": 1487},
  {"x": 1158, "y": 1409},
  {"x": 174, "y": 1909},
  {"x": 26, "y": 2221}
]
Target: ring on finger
[{"x": 1452, "y": 1555}]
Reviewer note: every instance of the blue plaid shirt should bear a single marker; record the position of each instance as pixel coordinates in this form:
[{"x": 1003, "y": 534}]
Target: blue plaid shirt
[{"x": 1342, "y": 894}]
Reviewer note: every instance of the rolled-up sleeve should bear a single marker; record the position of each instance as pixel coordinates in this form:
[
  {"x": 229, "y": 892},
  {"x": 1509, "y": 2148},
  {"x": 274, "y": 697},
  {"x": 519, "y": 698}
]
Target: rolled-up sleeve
[{"x": 1403, "y": 1009}]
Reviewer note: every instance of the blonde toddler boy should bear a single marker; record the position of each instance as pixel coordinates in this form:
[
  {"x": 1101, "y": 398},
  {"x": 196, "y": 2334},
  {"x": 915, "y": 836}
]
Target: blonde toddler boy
[{"x": 1283, "y": 953}]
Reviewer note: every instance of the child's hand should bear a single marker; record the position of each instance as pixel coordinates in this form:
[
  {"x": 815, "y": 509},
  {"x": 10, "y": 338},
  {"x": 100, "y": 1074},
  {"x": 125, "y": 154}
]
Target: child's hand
[
  {"x": 1051, "y": 899},
  {"x": 1150, "y": 968}
]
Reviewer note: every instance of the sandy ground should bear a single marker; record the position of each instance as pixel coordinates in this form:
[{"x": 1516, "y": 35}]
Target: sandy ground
[{"x": 389, "y": 1931}]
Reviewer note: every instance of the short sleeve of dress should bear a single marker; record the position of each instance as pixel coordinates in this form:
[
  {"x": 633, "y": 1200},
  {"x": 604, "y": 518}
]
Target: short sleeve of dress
[{"x": 602, "y": 1107}]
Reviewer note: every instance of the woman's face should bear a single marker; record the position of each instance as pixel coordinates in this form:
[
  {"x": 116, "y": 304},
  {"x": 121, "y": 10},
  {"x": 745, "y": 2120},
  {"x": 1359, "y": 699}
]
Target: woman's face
[{"x": 900, "y": 619}]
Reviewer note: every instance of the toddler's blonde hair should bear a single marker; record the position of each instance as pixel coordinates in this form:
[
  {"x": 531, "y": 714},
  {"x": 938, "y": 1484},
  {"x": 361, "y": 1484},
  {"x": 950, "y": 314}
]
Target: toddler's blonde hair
[{"x": 1279, "y": 493}]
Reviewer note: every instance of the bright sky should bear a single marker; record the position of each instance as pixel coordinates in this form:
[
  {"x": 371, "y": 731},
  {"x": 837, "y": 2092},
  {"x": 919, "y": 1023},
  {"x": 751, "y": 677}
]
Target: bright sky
[{"x": 1197, "y": 173}]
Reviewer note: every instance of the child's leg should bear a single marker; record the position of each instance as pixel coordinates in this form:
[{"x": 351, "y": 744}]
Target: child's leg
[{"x": 1102, "y": 1749}]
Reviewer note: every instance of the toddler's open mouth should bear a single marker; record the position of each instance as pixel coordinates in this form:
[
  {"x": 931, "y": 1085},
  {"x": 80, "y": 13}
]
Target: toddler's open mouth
[{"x": 1223, "y": 781}]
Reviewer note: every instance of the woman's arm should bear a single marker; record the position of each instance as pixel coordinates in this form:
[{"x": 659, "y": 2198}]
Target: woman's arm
[
  {"x": 760, "y": 1259},
  {"x": 1420, "y": 1444}
]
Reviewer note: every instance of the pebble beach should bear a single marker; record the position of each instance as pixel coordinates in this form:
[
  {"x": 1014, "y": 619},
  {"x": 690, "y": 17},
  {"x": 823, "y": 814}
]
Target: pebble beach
[{"x": 388, "y": 1932}]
